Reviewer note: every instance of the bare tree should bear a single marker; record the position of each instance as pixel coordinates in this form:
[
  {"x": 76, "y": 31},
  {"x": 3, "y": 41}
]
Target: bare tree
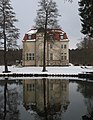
[
  {"x": 47, "y": 15},
  {"x": 8, "y": 32}
]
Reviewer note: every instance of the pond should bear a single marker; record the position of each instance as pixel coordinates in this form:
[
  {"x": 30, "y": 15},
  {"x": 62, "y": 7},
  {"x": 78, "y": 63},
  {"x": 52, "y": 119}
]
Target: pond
[{"x": 46, "y": 99}]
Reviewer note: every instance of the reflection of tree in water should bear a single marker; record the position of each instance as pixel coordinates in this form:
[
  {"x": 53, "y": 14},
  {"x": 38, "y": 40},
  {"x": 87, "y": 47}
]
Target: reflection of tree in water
[
  {"x": 12, "y": 103},
  {"x": 9, "y": 104},
  {"x": 86, "y": 88},
  {"x": 1, "y": 102}
]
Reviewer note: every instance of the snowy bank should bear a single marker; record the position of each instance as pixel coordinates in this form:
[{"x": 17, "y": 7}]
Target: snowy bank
[
  {"x": 69, "y": 72},
  {"x": 50, "y": 70}
]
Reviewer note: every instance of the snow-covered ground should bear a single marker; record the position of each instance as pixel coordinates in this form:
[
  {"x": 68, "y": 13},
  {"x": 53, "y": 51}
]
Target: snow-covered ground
[
  {"x": 50, "y": 70},
  {"x": 70, "y": 70}
]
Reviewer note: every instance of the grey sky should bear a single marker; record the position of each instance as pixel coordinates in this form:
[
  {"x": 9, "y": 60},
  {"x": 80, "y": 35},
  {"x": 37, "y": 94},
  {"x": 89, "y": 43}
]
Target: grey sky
[{"x": 69, "y": 21}]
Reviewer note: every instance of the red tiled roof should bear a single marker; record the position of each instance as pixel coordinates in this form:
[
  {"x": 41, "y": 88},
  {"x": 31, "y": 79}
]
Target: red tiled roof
[
  {"x": 25, "y": 37},
  {"x": 55, "y": 32},
  {"x": 65, "y": 36}
]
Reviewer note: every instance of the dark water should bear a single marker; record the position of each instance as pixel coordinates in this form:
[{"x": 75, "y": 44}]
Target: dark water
[{"x": 46, "y": 99}]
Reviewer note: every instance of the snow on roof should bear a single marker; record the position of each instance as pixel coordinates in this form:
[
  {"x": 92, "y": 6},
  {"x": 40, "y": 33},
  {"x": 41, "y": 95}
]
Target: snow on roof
[
  {"x": 32, "y": 31},
  {"x": 31, "y": 40}
]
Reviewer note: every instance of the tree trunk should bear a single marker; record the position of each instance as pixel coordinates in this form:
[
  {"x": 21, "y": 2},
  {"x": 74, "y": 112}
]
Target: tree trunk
[
  {"x": 5, "y": 58},
  {"x": 44, "y": 52}
]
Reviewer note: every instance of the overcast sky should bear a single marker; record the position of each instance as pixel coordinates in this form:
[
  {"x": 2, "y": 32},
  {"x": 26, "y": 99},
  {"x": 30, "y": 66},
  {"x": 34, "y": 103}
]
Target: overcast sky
[{"x": 69, "y": 21}]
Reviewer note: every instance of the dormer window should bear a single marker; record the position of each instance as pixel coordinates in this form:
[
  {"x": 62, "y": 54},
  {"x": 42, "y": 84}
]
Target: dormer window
[
  {"x": 33, "y": 36},
  {"x": 62, "y": 36},
  {"x": 51, "y": 37},
  {"x": 29, "y": 37}
]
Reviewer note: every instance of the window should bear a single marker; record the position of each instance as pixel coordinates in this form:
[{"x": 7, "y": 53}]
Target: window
[
  {"x": 30, "y": 56},
  {"x": 62, "y": 57},
  {"x": 51, "y": 46},
  {"x": 62, "y": 46},
  {"x": 27, "y": 56},
  {"x": 61, "y": 36},
  {"x": 51, "y": 37},
  {"x": 64, "y": 87},
  {"x": 30, "y": 87},
  {"x": 51, "y": 56},
  {"x": 33, "y": 36},
  {"x": 65, "y": 57},
  {"x": 65, "y": 46},
  {"x": 29, "y": 37}
]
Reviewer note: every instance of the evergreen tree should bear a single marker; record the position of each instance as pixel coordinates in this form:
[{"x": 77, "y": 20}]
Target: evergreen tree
[
  {"x": 86, "y": 13},
  {"x": 8, "y": 32},
  {"x": 47, "y": 15}
]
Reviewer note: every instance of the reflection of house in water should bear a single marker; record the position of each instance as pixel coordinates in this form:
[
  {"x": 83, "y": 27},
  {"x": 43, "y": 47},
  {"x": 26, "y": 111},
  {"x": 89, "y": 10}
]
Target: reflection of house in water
[{"x": 57, "y": 95}]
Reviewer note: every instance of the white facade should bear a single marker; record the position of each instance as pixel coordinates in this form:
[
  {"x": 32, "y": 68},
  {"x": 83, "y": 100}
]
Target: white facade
[{"x": 57, "y": 48}]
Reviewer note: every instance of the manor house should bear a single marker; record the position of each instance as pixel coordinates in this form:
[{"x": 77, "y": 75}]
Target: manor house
[{"x": 57, "y": 48}]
